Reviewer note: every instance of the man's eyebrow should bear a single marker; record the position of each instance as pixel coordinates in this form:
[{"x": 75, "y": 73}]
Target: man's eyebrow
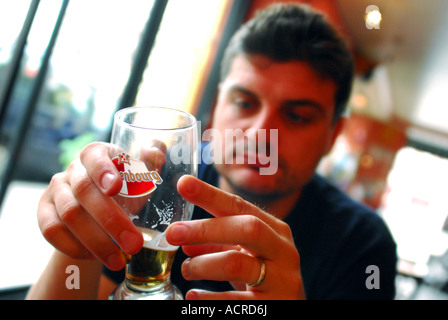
[
  {"x": 305, "y": 103},
  {"x": 239, "y": 89},
  {"x": 289, "y": 103}
]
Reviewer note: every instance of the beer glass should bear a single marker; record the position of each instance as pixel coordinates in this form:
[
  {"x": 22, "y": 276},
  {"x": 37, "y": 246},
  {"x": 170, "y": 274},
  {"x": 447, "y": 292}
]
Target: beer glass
[{"x": 152, "y": 147}]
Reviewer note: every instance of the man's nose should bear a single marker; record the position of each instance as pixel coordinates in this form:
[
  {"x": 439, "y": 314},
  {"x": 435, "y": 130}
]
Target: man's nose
[
  {"x": 262, "y": 124},
  {"x": 266, "y": 118}
]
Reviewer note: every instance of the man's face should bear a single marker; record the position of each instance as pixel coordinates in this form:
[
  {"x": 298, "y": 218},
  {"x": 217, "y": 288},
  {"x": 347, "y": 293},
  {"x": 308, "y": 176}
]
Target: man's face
[{"x": 260, "y": 94}]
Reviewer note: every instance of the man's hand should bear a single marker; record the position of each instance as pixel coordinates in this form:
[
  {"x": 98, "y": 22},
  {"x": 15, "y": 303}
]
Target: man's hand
[
  {"x": 78, "y": 215},
  {"x": 228, "y": 247}
]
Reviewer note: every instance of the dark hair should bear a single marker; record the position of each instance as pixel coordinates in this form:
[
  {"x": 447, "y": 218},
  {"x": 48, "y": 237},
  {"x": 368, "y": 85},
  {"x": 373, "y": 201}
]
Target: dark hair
[{"x": 286, "y": 32}]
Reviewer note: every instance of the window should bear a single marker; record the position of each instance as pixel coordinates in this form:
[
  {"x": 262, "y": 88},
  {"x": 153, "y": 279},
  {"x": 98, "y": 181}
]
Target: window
[
  {"x": 91, "y": 66},
  {"x": 181, "y": 59},
  {"x": 94, "y": 64},
  {"x": 415, "y": 208},
  {"x": 86, "y": 74}
]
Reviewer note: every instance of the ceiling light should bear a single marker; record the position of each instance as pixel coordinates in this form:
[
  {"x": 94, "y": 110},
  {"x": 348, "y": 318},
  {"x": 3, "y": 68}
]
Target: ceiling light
[{"x": 373, "y": 17}]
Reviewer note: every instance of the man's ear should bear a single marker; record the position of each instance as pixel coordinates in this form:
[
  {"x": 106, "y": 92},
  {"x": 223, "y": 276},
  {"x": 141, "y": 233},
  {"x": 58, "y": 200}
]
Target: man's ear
[{"x": 338, "y": 127}]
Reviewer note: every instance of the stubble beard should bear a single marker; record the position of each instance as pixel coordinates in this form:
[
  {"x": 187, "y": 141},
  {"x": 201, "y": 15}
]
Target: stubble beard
[{"x": 263, "y": 200}]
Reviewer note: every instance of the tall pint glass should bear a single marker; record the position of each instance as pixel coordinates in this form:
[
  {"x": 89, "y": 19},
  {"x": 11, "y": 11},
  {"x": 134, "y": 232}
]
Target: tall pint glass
[{"x": 152, "y": 147}]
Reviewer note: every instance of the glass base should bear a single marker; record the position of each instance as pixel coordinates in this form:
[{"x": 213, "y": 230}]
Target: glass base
[{"x": 167, "y": 292}]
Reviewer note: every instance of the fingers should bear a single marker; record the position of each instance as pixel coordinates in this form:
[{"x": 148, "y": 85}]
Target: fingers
[
  {"x": 154, "y": 157},
  {"x": 228, "y": 295},
  {"x": 254, "y": 235},
  {"x": 238, "y": 222},
  {"x": 56, "y": 233},
  {"x": 196, "y": 250},
  {"x": 77, "y": 214},
  {"x": 95, "y": 157},
  {"x": 80, "y": 221},
  {"x": 217, "y": 202},
  {"x": 95, "y": 207},
  {"x": 279, "y": 279},
  {"x": 231, "y": 265},
  {"x": 86, "y": 231},
  {"x": 67, "y": 226},
  {"x": 248, "y": 231},
  {"x": 220, "y": 203}
]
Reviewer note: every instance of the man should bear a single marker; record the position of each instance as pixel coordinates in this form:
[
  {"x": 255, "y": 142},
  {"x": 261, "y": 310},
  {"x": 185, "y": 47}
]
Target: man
[{"x": 294, "y": 236}]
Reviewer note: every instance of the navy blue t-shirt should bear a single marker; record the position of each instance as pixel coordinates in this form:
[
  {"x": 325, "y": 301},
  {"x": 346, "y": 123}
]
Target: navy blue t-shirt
[{"x": 337, "y": 238}]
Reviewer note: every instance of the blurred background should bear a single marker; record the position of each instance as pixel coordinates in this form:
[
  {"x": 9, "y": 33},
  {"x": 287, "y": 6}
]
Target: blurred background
[{"x": 67, "y": 66}]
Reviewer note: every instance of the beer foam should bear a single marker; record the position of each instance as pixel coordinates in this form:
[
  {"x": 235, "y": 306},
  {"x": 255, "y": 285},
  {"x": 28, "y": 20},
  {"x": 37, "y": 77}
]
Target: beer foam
[{"x": 156, "y": 240}]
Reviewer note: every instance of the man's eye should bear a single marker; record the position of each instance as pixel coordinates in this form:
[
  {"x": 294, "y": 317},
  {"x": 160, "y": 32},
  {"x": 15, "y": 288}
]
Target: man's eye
[
  {"x": 245, "y": 104},
  {"x": 297, "y": 117}
]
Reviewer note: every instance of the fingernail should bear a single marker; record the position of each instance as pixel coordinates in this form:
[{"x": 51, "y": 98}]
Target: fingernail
[
  {"x": 186, "y": 268},
  {"x": 106, "y": 180},
  {"x": 130, "y": 242},
  {"x": 178, "y": 233}
]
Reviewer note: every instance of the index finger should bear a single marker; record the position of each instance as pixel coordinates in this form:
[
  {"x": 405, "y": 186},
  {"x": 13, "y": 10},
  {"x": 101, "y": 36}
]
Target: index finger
[{"x": 218, "y": 202}]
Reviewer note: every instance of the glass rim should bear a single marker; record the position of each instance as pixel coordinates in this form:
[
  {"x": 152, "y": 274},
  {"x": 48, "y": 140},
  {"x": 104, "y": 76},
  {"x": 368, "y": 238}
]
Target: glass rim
[{"x": 118, "y": 117}]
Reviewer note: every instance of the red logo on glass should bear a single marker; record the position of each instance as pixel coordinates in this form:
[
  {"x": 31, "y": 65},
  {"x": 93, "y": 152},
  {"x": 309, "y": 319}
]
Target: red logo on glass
[{"x": 137, "y": 179}]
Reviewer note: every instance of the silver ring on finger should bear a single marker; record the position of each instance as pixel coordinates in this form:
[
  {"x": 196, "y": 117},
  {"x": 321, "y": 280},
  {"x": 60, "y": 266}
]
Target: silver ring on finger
[{"x": 261, "y": 276}]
